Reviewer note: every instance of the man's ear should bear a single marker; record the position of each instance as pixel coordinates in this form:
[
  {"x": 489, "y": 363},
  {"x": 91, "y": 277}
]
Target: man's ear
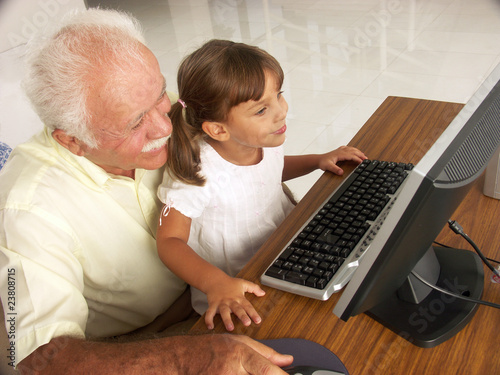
[
  {"x": 215, "y": 130},
  {"x": 71, "y": 143}
]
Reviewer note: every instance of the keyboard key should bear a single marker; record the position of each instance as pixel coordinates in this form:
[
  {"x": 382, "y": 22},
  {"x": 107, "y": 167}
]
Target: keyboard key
[
  {"x": 296, "y": 278},
  {"x": 286, "y": 254},
  {"x": 276, "y": 272},
  {"x": 329, "y": 236}
]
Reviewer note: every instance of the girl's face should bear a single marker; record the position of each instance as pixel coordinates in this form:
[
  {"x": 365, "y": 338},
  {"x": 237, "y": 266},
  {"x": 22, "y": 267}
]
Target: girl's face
[{"x": 260, "y": 123}]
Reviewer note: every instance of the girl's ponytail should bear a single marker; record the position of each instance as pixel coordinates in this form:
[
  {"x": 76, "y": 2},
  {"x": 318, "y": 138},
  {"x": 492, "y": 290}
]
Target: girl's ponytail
[{"x": 183, "y": 162}]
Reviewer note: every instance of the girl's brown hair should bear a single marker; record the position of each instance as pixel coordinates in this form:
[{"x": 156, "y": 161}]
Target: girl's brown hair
[{"x": 213, "y": 79}]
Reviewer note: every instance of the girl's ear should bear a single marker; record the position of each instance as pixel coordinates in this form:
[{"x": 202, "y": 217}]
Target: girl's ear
[{"x": 215, "y": 130}]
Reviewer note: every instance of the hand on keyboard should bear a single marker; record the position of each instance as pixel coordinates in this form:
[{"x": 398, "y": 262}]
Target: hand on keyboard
[{"x": 328, "y": 161}]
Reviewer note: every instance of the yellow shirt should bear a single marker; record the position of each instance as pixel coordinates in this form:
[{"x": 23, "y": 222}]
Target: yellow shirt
[{"x": 77, "y": 248}]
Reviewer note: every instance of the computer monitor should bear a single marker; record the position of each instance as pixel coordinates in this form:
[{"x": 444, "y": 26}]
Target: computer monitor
[{"x": 383, "y": 286}]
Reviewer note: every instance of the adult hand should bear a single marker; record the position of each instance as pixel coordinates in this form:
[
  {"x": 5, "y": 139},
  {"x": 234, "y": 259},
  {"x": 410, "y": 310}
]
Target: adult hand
[{"x": 234, "y": 354}]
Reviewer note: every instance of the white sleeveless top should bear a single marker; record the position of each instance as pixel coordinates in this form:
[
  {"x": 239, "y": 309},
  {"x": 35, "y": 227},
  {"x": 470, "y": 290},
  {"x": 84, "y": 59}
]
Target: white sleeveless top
[{"x": 233, "y": 213}]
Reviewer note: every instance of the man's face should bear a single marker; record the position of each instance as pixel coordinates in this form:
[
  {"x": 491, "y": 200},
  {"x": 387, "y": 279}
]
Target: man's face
[{"x": 130, "y": 120}]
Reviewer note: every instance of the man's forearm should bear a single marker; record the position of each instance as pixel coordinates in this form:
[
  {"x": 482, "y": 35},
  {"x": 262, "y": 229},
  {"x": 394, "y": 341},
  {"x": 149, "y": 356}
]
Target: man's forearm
[
  {"x": 207, "y": 354},
  {"x": 64, "y": 355}
]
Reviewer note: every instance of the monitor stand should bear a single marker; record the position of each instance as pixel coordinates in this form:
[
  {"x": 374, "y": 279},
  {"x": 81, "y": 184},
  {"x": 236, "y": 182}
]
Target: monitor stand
[{"x": 424, "y": 316}]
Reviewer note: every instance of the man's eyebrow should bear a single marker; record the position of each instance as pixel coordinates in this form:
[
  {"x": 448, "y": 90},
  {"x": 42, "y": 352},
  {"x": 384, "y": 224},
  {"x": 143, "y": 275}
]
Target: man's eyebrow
[
  {"x": 163, "y": 89},
  {"x": 136, "y": 120},
  {"x": 141, "y": 115}
]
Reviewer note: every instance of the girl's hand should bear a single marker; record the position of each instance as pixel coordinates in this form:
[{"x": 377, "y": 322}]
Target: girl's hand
[
  {"x": 328, "y": 161},
  {"x": 229, "y": 297}
]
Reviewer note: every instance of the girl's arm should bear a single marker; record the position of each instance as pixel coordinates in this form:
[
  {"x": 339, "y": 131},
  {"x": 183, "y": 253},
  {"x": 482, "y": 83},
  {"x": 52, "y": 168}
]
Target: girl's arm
[
  {"x": 225, "y": 294},
  {"x": 300, "y": 165}
]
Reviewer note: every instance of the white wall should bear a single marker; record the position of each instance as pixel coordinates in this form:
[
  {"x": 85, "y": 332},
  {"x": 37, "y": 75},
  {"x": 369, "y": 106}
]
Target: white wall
[{"x": 19, "y": 20}]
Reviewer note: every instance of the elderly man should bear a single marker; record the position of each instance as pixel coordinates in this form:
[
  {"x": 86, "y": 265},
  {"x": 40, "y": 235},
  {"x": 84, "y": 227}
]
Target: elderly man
[{"x": 79, "y": 213}]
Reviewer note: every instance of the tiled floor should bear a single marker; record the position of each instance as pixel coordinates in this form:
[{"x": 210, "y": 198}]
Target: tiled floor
[{"x": 341, "y": 58}]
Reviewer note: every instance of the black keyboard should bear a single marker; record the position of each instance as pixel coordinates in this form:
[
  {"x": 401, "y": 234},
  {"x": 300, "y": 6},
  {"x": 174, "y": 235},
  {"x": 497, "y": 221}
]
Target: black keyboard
[{"x": 322, "y": 256}]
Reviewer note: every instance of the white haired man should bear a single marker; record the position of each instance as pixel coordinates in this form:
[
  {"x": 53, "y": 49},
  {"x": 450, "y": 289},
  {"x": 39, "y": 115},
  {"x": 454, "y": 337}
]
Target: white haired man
[{"x": 79, "y": 213}]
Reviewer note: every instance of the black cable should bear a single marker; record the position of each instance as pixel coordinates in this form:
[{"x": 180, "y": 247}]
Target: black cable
[
  {"x": 468, "y": 299},
  {"x": 493, "y": 260},
  {"x": 455, "y": 227}
]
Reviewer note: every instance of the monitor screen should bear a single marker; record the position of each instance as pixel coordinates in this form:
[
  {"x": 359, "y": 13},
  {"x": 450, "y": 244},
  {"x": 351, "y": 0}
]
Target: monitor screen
[{"x": 383, "y": 286}]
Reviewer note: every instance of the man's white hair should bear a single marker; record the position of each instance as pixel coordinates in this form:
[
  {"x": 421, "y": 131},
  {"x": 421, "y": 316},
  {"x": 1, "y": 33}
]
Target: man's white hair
[{"x": 62, "y": 62}]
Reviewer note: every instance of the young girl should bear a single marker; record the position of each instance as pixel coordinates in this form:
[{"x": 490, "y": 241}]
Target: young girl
[{"x": 222, "y": 187}]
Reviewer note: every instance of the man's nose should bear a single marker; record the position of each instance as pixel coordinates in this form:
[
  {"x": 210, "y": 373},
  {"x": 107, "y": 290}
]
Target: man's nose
[{"x": 161, "y": 126}]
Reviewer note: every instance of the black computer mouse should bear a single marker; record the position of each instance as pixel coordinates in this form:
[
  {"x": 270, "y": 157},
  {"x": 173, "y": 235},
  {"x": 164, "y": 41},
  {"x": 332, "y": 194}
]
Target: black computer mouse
[{"x": 310, "y": 370}]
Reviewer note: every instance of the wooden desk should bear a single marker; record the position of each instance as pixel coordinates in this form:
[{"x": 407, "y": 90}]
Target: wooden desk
[{"x": 401, "y": 129}]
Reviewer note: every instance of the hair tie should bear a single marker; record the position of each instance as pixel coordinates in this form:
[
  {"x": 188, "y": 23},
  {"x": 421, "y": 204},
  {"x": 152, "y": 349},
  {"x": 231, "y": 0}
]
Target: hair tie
[{"x": 182, "y": 103}]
